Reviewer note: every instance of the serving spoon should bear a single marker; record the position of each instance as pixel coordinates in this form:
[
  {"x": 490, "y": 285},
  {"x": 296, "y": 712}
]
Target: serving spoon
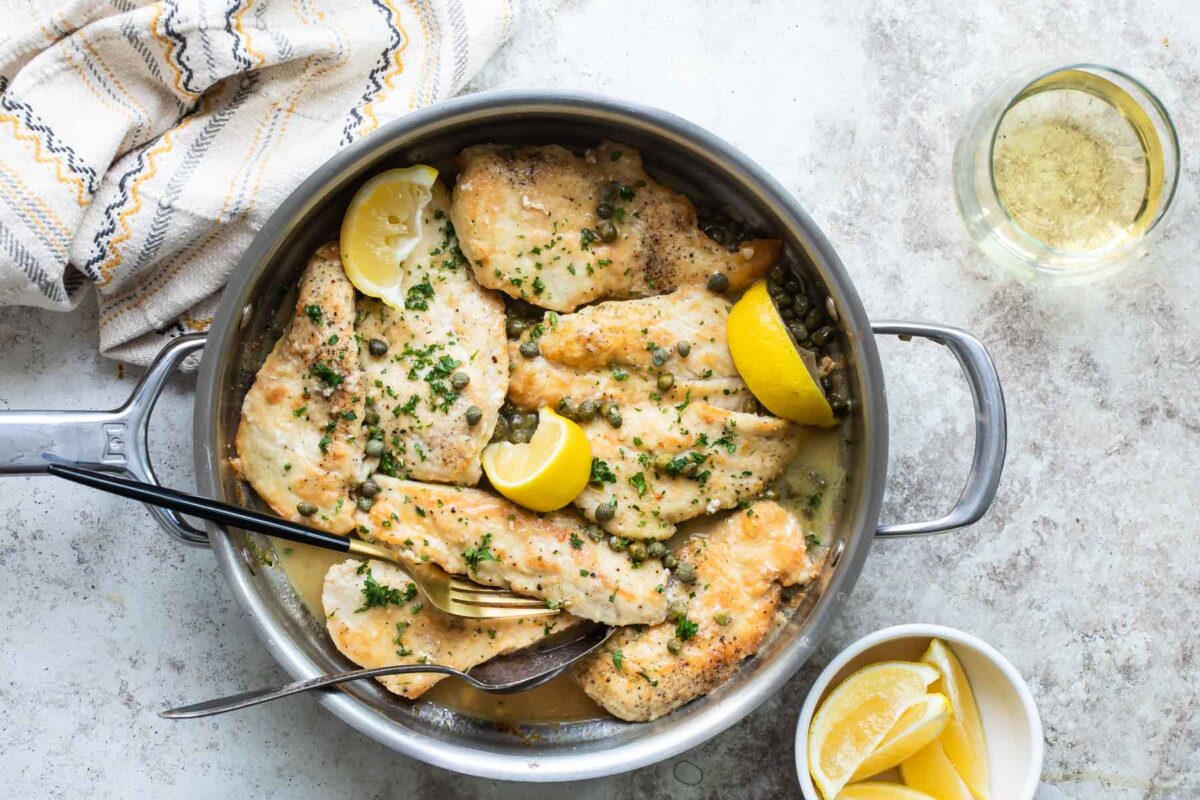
[{"x": 518, "y": 672}]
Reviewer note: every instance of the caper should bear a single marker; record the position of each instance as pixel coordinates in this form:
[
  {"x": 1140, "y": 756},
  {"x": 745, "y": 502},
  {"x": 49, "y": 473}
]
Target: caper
[
  {"x": 521, "y": 436},
  {"x": 507, "y": 408},
  {"x": 690, "y": 470},
  {"x": 674, "y": 647},
  {"x": 625, "y": 192},
  {"x": 606, "y": 408},
  {"x": 375, "y": 448},
  {"x": 777, "y": 293},
  {"x": 718, "y": 282},
  {"x": 566, "y": 407},
  {"x": 608, "y": 193},
  {"x": 791, "y": 284},
  {"x": 665, "y": 381},
  {"x": 617, "y": 543},
  {"x": 594, "y": 532},
  {"x": 658, "y": 356},
  {"x": 722, "y": 618},
  {"x": 788, "y": 313},
  {"x": 676, "y": 611},
  {"x": 827, "y": 384},
  {"x": 801, "y": 303},
  {"x": 365, "y": 503},
  {"x": 607, "y": 230},
  {"x": 305, "y": 509},
  {"x": 814, "y": 318},
  {"x": 656, "y": 550},
  {"x": 371, "y": 418},
  {"x": 377, "y": 347},
  {"x": 750, "y": 405},
  {"x": 771, "y": 494},
  {"x": 683, "y": 348},
  {"x": 368, "y": 488},
  {"x": 838, "y": 402},
  {"x": 686, "y": 573},
  {"x": 799, "y": 332},
  {"x": 459, "y": 381},
  {"x": 501, "y": 432},
  {"x": 531, "y": 420},
  {"x": 822, "y": 336},
  {"x": 514, "y": 327},
  {"x": 777, "y": 273},
  {"x": 637, "y": 551},
  {"x": 604, "y": 210},
  {"x": 586, "y": 412},
  {"x": 474, "y": 414},
  {"x": 606, "y": 511},
  {"x": 529, "y": 349},
  {"x": 516, "y": 420},
  {"x": 670, "y": 561},
  {"x": 614, "y": 417}
]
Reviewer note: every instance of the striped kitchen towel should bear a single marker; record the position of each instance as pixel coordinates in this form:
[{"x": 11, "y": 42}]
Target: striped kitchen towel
[{"x": 142, "y": 144}]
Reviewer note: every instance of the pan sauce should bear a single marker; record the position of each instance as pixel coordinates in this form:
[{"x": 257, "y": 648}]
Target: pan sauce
[{"x": 813, "y": 484}]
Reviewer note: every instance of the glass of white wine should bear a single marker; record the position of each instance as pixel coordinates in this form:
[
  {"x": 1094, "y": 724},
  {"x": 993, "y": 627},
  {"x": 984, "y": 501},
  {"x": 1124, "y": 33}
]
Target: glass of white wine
[{"x": 1065, "y": 174}]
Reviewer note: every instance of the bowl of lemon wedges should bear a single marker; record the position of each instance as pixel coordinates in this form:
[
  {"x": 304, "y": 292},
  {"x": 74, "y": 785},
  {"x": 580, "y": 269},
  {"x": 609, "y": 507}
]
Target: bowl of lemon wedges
[{"x": 919, "y": 712}]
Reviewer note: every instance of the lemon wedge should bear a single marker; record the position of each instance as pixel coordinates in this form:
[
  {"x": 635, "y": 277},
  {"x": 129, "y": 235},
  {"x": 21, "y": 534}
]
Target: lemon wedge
[
  {"x": 930, "y": 771},
  {"x": 923, "y": 722},
  {"x": 770, "y": 363},
  {"x": 547, "y": 473},
  {"x": 382, "y": 226},
  {"x": 855, "y": 718},
  {"x": 878, "y": 790},
  {"x": 963, "y": 739}
]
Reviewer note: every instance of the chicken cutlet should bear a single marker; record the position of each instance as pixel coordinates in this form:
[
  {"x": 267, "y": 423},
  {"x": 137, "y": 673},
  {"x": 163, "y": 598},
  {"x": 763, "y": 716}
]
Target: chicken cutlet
[
  {"x": 376, "y": 618},
  {"x": 669, "y": 463},
  {"x": 557, "y": 557},
  {"x": 726, "y": 615},
  {"x": 435, "y": 384},
  {"x": 298, "y": 442},
  {"x": 671, "y": 346},
  {"x": 559, "y": 230}
]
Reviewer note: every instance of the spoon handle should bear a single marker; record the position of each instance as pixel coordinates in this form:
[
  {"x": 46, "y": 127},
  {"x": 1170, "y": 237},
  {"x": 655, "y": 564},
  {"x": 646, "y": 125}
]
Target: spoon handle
[{"x": 234, "y": 702}]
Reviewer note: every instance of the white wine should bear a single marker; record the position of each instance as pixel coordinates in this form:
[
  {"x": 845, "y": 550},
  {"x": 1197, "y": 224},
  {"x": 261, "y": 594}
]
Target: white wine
[{"x": 1076, "y": 163}]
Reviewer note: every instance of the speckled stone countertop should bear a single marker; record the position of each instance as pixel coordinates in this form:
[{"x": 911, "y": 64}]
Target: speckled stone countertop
[{"x": 1086, "y": 573}]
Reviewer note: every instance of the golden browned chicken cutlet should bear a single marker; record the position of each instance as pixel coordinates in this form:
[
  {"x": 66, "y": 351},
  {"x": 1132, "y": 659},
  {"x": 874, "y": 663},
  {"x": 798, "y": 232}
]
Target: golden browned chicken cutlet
[
  {"x": 298, "y": 443},
  {"x": 723, "y": 617},
  {"x": 557, "y": 557},
  {"x": 560, "y": 230},
  {"x": 435, "y": 371},
  {"x": 669, "y": 463},
  {"x": 627, "y": 351},
  {"x": 376, "y": 618}
]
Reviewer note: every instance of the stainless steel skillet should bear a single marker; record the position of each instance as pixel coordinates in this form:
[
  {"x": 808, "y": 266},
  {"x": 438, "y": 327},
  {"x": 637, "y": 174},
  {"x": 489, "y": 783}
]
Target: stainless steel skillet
[{"x": 256, "y": 299}]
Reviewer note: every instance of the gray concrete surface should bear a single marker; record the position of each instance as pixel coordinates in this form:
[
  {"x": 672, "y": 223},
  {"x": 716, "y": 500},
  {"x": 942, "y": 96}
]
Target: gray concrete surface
[{"x": 1086, "y": 574}]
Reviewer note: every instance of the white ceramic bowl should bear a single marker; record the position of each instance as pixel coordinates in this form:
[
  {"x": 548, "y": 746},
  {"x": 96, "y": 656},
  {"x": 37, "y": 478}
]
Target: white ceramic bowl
[{"x": 1010, "y": 718}]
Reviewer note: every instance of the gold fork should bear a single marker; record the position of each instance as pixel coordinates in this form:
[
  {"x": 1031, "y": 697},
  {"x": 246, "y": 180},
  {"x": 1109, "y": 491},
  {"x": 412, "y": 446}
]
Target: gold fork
[{"x": 450, "y": 593}]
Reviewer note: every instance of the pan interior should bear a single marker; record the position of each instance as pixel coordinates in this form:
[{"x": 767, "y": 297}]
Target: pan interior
[{"x": 260, "y": 298}]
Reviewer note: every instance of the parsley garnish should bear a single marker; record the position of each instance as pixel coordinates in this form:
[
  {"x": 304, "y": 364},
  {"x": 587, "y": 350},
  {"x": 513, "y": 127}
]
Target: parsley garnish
[
  {"x": 419, "y": 295},
  {"x": 601, "y": 473},
  {"x": 686, "y": 629},
  {"x": 476, "y": 555},
  {"x": 577, "y": 544},
  {"x": 315, "y": 314},
  {"x": 586, "y": 237},
  {"x": 618, "y": 658},
  {"x": 638, "y": 482},
  {"x": 379, "y": 595},
  {"x": 648, "y": 679},
  {"x": 619, "y": 374},
  {"x": 326, "y": 373}
]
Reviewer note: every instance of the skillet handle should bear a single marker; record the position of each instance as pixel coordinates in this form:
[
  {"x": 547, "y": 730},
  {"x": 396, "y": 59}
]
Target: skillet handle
[
  {"x": 990, "y": 427},
  {"x": 115, "y": 440}
]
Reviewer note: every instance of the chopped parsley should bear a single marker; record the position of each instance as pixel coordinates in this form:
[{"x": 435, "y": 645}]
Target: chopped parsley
[
  {"x": 601, "y": 472},
  {"x": 638, "y": 482},
  {"x": 539, "y": 285},
  {"x": 327, "y": 374},
  {"x": 299, "y": 412},
  {"x": 419, "y": 295},
  {"x": 315, "y": 313},
  {"x": 686, "y": 629},
  {"x": 648, "y": 679},
  {"x": 379, "y": 595},
  {"x": 619, "y": 374},
  {"x": 618, "y": 658},
  {"x": 586, "y": 237},
  {"x": 577, "y": 544},
  {"x": 474, "y": 556}
]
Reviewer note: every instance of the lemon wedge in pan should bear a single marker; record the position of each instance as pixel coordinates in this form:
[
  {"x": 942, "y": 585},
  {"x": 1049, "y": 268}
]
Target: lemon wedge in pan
[
  {"x": 382, "y": 226},
  {"x": 547, "y": 473},
  {"x": 774, "y": 369}
]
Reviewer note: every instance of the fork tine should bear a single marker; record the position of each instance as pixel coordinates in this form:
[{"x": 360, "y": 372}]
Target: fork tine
[
  {"x": 458, "y": 584},
  {"x": 491, "y": 612},
  {"x": 501, "y": 602}
]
